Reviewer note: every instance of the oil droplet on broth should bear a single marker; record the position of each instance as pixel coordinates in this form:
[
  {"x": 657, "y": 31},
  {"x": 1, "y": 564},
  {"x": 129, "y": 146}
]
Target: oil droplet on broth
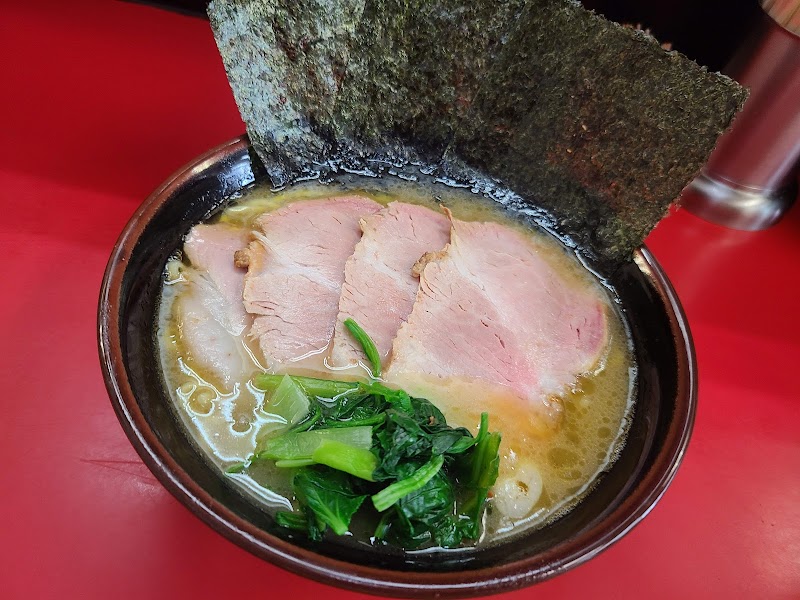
[
  {"x": 202, "y": 402},
  {"x": 241, "y": 425},
  {"x": 587, "y": 385},
  {"x": 561, "y": 458}
]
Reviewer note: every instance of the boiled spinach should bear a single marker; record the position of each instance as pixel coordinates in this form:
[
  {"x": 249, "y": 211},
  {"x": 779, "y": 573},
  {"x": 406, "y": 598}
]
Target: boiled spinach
[{"x": 428, "y": 482}]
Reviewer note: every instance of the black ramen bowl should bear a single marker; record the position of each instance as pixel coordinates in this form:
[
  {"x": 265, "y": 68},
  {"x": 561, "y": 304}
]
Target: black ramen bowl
[{"x": 657, "y": 438}]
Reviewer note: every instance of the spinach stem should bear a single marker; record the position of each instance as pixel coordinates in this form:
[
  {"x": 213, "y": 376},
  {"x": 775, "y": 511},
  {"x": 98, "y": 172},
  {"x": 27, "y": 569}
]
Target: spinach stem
[
  {"x": 358, "y": 462},
  {"x": 301, "y": 445},
  {"x": 292, "y": 520},
  {"x": 372, "y": 421},
  {"x": 391, "y": 494},
  {"x": 323, "y": 388},
  {"x": 383, "y": 526},
  {"x": 370, "y": 349},
  {"x": 294, "y": 463}
]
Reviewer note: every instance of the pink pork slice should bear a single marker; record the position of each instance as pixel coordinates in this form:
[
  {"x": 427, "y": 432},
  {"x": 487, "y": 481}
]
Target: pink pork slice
[
  {"x": 296, "y": 272},
  {"x": 379, "y": 287},
  {"x": 210, "y": 311},
  {"x": 491, "y": 308},
  {"x": 210, "y": 249}
]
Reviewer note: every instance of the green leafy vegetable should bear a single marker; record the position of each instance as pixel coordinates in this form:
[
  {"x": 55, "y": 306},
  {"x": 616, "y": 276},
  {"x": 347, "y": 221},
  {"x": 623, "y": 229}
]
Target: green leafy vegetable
[
  {"x": 367, "y": 344},
  {"x": 324, "y": 388},
  {"x": 371, "y": 421},
  {"x": 481, "y": 474},
  {"x": 328, "y": 495},
  {"x": 383, "y": 526},
  {"x": 294, "y": 463},
  {"x": 401, "y": 439},
  {"x": 429, "y": 482},
  {"x": 487, "y": 460},
  {"x": 426, "y": 515},
  {"x": 288, "y": 403},
  {"x": 302, "y": 445},
  {"x": 397, "y": 398},
  {"x": 356, "y": 461},
  {"x": 391, "y": 494},
  {"x": 292, "y": 520},
  {"x": 313, "y": 416}
]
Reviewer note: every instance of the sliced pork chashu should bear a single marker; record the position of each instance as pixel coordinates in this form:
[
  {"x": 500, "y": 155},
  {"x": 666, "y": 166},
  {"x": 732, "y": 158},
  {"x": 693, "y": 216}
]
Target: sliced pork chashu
[
  {"x": 210, "y": 249},
  {"x": 379, "y": 286},
  {"x": 211, "y": 316},
  {"x": 492, "y": 312},
  {"x": 296, "y": 271}
]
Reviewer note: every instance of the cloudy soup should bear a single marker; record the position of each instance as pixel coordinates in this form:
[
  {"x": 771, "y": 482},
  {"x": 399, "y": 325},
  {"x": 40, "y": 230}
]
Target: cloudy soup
[{"x": 309, "y": 338}]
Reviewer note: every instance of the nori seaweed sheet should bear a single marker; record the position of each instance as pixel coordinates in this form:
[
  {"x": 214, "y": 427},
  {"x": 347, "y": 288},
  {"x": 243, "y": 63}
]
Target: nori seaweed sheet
[
  {"x": 285, "y": 60},
  {"x": 594, "y": 122},
  {"x": 415, "y": 69}
]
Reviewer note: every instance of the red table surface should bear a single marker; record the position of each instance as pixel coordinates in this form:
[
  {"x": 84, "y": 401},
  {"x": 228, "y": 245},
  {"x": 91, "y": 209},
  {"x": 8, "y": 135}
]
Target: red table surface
[{"x": 99, "y": 103}]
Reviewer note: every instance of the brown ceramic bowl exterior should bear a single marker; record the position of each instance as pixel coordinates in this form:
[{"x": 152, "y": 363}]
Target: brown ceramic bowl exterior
[{"x": 658, "y": 435}]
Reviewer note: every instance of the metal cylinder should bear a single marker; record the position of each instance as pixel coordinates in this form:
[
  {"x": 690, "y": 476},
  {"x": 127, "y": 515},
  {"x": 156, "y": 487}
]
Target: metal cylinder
[{"x": 749, "y": 180}]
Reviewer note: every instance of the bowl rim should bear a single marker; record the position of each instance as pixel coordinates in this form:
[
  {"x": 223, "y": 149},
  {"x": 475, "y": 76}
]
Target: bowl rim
[{"x": 495, "y": 579}]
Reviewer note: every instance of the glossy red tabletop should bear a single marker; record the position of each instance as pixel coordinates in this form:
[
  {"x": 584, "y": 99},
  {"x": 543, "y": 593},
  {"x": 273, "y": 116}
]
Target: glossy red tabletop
[{"x": 100, "y": 102}]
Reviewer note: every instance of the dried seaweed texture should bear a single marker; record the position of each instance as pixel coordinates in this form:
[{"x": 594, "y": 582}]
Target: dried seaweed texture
[
  {"x": 593, "y": 122},
  {"x": 314, "y": 77},
  {"x": 415, "y": 68},
  {"x": 285, "y": 61},
  {"x": 596, "y": 123}
]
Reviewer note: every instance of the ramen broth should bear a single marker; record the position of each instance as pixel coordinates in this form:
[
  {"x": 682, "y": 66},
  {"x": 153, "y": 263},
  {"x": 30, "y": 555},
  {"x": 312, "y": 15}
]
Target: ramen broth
[{"x": 564, "y": 460}]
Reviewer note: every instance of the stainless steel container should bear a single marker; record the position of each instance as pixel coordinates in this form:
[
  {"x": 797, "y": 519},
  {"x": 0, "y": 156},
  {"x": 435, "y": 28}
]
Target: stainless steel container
[{"x": 750, "y": 179}]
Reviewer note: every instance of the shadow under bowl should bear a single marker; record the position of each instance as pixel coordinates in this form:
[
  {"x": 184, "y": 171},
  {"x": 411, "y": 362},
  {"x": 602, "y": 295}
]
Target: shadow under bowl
[{"x": 658, "y": 435}]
